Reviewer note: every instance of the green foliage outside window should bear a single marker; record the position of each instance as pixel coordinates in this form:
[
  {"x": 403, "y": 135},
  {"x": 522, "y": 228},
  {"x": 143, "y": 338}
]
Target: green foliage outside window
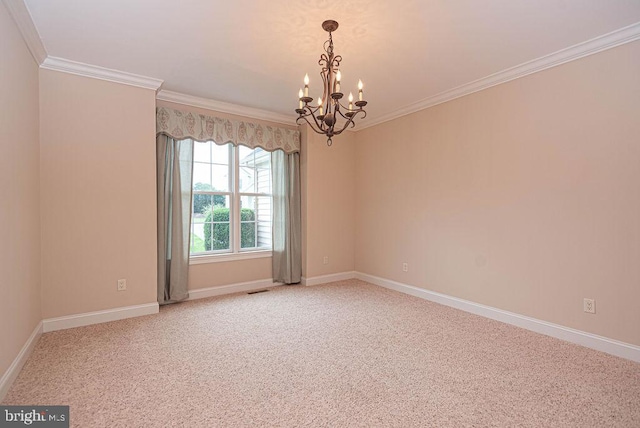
[
  {"x": 201, "y": 202},
  {"x": 220, "y": 239}
]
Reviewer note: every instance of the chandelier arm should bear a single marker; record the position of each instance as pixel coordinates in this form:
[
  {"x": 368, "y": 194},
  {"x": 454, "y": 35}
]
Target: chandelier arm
[
  {"x": 325, "y": 87},
  {"x": 343, "y": 106},
  {"x": 318, "y": 124},
  {"x": 355, "y": 113},
  {"x": 310, "y": 125},
  {"x": 358, "y": 110},
  {"x": 312, "y": 111},
  {"x": 350, "y": 121},
  {"x": 345, "y": 117},
  {"x": 346, "y": 124}
]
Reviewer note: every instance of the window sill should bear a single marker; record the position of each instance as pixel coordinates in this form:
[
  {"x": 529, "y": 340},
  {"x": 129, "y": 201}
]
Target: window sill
[{"x": 217, "y": 258}]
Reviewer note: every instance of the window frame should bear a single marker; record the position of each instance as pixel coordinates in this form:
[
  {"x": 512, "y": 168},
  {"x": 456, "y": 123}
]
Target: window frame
[{"x": 235, "y": 252}]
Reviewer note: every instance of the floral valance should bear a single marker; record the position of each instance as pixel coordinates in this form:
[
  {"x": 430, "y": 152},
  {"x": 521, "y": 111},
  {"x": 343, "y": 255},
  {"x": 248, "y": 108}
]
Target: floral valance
[{"x": 180, "y": 125}]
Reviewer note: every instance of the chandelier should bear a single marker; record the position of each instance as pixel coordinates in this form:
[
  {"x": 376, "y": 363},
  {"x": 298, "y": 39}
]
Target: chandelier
[{"x": 329, "y": 116}]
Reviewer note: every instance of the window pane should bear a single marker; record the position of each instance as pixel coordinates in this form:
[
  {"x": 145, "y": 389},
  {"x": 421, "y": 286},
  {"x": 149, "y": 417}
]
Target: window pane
[
  {"x": 220, "y": 177},
  {"x": 261, "y": 155},
  {"x": 248, "y": 203},
  {"x": 255, "y": 171},
  {"x": 216, "y": 236},
  {"x": 263, "y": 170},
  {"x": 214, "y": 223},
  {"x": 220, "y": 237},
  {"x": 211, "y": 169},
  {"x": 264, "y": 180},
  {"x": 221, "y": 201},
  {"x": 219, "y": 232},
  {"x": 247, "y": 180},
  {"x": 201, "y": 206},
  {"x": 255, "y": 228},
  {"x": 201, "y": 152},
  {"x": 210, "y": 223},
  {"x": 246, "y": 156},
  {"x": 247, "y": 221},
  {"x": 248, "y": 234},
  {"x": 201, "y": 176},
  {"x": 263, "y": 218},
  {"x": 221, "y": 153},
  {"x": 262, "y": 158},
  {"x": 197, "y": 244}
]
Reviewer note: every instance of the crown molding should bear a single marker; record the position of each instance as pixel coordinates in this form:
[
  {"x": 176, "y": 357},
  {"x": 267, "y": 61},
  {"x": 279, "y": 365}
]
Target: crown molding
[
  {"x": 21, "y": 16},
  {"x": 222, "y": 107},
  {"x": 590, "y": 47},
  {"x": 96, "y": 72}
]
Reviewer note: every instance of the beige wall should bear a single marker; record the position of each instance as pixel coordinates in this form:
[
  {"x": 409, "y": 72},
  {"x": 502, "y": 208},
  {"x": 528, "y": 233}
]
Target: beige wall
[
  {"x": 328, "y": 203},
  {"x": 524, "y": 197},
  {"x": 98, "y": 194},
  {"x": 226, "y": 273},
  {"x": 20, "y": 212}
]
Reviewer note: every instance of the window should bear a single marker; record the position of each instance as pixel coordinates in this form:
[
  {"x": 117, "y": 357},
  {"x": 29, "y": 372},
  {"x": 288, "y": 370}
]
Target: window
[{"x": 231, "y": 199}]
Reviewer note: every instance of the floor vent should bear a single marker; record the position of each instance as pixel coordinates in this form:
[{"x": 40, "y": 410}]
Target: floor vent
[{"x": 256, "y": 292}]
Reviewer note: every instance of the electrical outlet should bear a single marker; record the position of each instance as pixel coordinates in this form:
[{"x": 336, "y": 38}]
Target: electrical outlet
[
  {"x": 325, "y": 260},
  {"x": 405, "y": 267},
  {"x": 122, "y": 284},
  {"x": 590, "y": 306}
]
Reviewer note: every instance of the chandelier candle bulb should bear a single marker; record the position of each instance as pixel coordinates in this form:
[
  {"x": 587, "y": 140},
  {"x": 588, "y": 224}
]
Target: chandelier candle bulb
[
  {"x": 360, "y": 85},
  {"x": 306, "y": 85},
  {"x": 300, "y": 95},
  {"x": 338, "y": 77},
  {"x": 320, "y": 105},
  {"x": 350, "y": 101}
]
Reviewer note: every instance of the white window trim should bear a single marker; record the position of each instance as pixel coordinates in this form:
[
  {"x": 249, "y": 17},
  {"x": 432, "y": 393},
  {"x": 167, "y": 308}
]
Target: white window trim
[
  {"x": 234, "y": 196},
  {"x": 229, "y": 257}
]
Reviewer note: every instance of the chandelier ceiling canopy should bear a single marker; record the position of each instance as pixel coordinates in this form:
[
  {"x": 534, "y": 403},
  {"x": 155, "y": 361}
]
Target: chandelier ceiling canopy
[{"x": 329, "y": 116}]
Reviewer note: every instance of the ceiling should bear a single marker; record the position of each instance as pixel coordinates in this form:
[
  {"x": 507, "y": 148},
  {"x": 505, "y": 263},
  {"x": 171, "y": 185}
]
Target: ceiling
[{"x": 255, "y": 53}]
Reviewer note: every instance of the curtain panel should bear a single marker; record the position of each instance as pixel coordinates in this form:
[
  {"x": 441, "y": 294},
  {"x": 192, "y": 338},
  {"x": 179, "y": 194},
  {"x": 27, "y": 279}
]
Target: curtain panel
[
  {"x": 287, "y": 219},
  {"x": 174, "y": 181},
  {"x": 181, "y": 125}
]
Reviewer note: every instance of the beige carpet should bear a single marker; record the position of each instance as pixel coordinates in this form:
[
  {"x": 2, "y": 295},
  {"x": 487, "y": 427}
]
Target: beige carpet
[{"x": 346, "y": 354}]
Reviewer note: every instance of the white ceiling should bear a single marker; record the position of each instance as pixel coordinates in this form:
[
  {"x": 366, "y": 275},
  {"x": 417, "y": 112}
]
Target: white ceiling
[{"x": 255, "y": 53}]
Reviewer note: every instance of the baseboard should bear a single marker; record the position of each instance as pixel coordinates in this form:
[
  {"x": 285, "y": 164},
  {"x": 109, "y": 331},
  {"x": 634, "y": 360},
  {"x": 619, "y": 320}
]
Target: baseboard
[
  {"x": 589, "y": 340},
  {"x": 201, "y": 293},
  {"x": 14, "y": 369},
  {"x": 316, "y": 280},
  {"x": 88, "y": 318}
]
